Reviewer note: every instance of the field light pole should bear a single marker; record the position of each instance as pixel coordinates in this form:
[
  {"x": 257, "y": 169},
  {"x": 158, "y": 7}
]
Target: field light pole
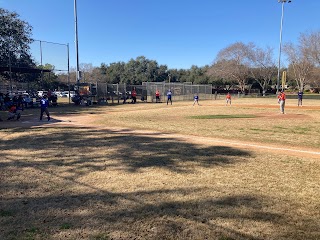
[
  {"x": 280, "y": 45},
  {"x": 76, "y": 42}
]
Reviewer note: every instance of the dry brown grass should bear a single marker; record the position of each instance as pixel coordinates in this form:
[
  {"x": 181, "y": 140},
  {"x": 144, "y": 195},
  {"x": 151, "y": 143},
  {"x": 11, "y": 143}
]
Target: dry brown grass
[{"x": 96, "y": 177}]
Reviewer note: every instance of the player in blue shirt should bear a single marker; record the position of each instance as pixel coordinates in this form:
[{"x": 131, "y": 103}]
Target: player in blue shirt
[
  {"x": 300, "y": 95},
  {"x": 169, "y": 95},
  {"x": 44, "y": 104},
  {"x": 196, "y": 99}
]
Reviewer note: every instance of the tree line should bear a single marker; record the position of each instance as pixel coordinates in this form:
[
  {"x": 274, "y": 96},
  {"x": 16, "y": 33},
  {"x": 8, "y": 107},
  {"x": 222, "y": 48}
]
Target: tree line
[{"x": 238, "y": 65}]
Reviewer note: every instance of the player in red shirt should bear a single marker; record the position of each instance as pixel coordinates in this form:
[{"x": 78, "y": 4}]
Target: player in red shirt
[
  {"x": 228, "y": 99},
  {"x": 157, "y": 96},
  {"x": 134, "y": 96},
  {"x": 282, "y": 101}
]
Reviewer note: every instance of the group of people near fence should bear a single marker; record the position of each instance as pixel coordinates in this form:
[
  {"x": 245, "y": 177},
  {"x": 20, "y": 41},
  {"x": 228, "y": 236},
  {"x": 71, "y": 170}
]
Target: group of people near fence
[
  {"x": 132, "y": 95},
  {"x": 16, "y": 104},
  {"x": 169, "y": 97}
]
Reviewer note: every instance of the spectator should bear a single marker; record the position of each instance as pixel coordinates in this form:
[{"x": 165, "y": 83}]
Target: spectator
[
  {"x": 7, "y": 101},
  {"x": 157, "y": 96},
  {"x": 20, "y": 102},
  {"x": 1, "y": 101},
  {"x": 134, "y": 96}
]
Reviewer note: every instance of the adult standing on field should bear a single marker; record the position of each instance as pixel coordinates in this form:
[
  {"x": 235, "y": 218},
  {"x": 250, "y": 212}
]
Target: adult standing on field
[
  {"x": 228, "y": 99},
  {"x": 169, "y": 97},
  {"x": 282, "y": 101},
  {"x": 157, "y": 96},
  {"x": 134, "y": 96},
  {"x": 300, "y": 96},
  {"x": 44, "y": 104}
]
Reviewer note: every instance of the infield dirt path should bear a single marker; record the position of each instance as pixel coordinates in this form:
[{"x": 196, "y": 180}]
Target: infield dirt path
[{"x": 86, "y": 121}]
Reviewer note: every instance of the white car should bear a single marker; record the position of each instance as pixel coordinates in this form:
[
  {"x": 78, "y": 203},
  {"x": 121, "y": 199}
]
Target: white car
[
  {"x": 58, "y": 93},
  {"x": 66, "y": 94},
  {"x": 42, "y": 93}
]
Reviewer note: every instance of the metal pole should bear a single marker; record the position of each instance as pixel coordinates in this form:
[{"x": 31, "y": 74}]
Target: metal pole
[
  {"x": 280, "y": 44},
  {"x": 41, "y": 65},
  {"x": 68, "y": 71},
  {"x": 10, "y": 70},
  {"x": 76, "y": 42}
]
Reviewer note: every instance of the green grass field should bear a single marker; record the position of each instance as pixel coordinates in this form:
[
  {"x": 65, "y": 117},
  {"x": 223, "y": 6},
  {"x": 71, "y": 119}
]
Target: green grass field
[{"x": 152, "y": 171}]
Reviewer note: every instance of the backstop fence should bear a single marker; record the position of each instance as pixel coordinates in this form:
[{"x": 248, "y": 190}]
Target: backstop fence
[
  {"x": 48, "y": 57},
  {"x": 180, "y": 91},
  {"x": 147, "y": 91}
]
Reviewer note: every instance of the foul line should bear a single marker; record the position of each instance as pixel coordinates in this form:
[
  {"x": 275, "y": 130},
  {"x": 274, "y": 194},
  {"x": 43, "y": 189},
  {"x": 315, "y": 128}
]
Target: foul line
[
  {"x": 208, "y": 139},
  {"x": 264, "y": 147}
]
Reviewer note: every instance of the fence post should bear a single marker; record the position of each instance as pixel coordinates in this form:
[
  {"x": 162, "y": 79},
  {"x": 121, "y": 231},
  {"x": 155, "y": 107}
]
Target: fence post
[{"x": 118, "y": 93}]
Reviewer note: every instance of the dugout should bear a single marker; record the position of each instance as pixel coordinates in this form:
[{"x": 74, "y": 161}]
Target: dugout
[{"x": 11, "y": 81}]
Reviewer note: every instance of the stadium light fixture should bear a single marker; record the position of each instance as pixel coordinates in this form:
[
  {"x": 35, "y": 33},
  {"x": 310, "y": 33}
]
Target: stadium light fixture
[{"x": 280, "y": 45}]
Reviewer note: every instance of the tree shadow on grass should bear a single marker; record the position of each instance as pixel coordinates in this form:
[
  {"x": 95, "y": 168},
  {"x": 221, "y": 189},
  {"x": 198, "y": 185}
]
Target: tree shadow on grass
[
  {"x": 136, "y": 215},
  {"x": 92, "y": 149},
  {"x": 55, "y": 160}
]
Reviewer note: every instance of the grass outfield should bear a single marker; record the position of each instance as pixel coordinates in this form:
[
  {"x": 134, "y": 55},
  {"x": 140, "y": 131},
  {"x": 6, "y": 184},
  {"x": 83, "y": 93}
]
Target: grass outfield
[{"x": 152, "y": 171}]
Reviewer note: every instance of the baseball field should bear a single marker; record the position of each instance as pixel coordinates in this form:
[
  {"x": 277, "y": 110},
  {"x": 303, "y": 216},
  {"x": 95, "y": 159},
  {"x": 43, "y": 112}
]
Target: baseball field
[{"x": 157, "y": 171}]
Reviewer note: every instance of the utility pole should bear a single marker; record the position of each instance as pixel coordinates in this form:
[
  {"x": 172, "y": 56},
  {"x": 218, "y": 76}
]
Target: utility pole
[
  {"x": 76, "y": 42},
  {"x": 280, "y": 45}
]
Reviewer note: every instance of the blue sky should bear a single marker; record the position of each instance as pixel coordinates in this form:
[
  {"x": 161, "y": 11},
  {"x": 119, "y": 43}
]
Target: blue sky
[{"x": 177, "y": 33}]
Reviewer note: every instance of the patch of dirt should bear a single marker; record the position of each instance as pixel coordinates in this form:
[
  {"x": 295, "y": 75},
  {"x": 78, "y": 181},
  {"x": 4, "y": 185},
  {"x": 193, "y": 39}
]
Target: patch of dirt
[{"x": 86, "y": 120}]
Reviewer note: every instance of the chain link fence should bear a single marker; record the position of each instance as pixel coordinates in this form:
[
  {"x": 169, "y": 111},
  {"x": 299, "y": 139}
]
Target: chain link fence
[
  {"x": 180, "y": 91},
  {"x": 146, "y": 92},
  {"x": 119, "y": 93}
]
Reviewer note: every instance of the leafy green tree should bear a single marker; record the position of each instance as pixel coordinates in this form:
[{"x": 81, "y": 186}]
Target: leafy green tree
[
  {"x": 15, "y": 37},
  {"x": 48, "y": 79}
]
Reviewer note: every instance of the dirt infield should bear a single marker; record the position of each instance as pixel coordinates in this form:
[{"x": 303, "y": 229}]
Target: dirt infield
[{"x": 89, "y": 121}]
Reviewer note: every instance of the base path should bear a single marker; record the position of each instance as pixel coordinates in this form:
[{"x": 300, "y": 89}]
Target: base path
[{"x": 84, "y": 121}]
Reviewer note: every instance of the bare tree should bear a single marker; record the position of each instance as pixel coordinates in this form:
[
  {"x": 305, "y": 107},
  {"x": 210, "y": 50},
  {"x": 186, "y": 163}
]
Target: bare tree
[
  {"x": 300, "y": 67},
  {"x": 86, "y": 69},
  {"x": 310, "y": 45},
  {"x": 232, "y": 63},
  {"x": 263, "y": 67},
  {"x": 315, "y": 79}
]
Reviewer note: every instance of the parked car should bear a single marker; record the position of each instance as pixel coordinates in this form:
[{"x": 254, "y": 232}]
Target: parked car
[
  {"x": 42, "y": 93},
  {"x": 66, "y": 94},
  {"x": 58, "y": 93}
]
